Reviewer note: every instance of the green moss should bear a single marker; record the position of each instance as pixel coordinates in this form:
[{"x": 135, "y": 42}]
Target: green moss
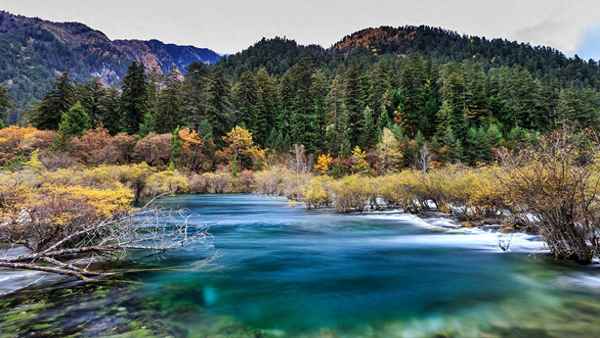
[{"x": 137, "y": 333}]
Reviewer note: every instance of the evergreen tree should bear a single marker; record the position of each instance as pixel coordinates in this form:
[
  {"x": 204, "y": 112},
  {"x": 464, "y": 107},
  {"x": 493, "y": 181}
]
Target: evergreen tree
[
  {"x": 246, "y": 100},
  {"x": 453, "y": 94},
  {"x": 218, "y": 108},
  {"x": 477, "y": 147},
  {"x": 453, "y": 146},
  {"x": 368, "y": 129},
  {"x": 5, "y": 104},
  {"x": 61, "y": 98},
  {"x": 169, "y": 105},
  {"x": 267, "y": 107},
  {"x": 383, "y": 121},
  {"x": 476, "y": 105},
  {"x": 194, "y": 89},
  {"x": 580, "y": 107},
  {"x": 352, "y": 100},
  {"x": 343, "y": 139},
  {"x": 134, "y": 98},
  {"x": 318, "y": 95},
  {"x": 109, "y": 111},
  {"x": 297, "y": 105},
  {"x": 91, "y": 95},
  {"x": 74, "y": 121},
  {"x": 149, "y": 123}
]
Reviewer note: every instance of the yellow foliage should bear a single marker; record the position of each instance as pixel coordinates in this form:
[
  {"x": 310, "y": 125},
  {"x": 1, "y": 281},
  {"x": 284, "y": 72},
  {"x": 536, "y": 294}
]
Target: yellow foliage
[
  {"x": 323, "y": 163},
  {"x": 170, "y": 181},
  {"x": 34, "y": 161},
  {"x": 353, "y": 193},
  {"x": 317, "y": 192},
  {"x": 106, "y": 202},
  {"x": 359, "y": 161},
  {"x": 389, "y": 152}
]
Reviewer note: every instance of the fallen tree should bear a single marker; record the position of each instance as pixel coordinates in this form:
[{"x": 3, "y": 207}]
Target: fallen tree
[{"x": 74, "y": 253}]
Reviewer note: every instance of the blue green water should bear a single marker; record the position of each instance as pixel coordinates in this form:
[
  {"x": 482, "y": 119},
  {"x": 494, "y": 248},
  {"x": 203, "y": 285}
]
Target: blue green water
[{"x": 275, "y": 270}]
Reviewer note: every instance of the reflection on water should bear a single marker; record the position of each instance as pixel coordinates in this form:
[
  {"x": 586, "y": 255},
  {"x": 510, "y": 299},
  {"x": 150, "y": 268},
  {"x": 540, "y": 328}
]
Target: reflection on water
[{"x": 283, "y": 271}]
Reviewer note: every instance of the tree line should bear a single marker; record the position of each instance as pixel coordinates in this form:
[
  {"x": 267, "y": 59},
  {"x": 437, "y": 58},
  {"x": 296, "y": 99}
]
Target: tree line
[{"x": 460, "y": 110}]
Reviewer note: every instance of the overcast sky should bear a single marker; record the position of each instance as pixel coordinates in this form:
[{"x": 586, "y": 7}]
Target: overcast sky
[{"x": 572, "y": 26}]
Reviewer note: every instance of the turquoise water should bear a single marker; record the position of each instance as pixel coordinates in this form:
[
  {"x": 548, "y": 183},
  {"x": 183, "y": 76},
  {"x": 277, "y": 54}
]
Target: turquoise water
[{"x": 272, "y": 269}]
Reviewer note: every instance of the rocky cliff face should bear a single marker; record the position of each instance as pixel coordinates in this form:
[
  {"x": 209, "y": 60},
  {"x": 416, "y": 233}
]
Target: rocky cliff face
[{"x": 33, "y": 51}]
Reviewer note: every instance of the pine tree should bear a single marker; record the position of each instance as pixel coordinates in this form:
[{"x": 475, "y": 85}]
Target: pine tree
[
  {"x": 148, "y": 124},
  {"x": 134, "y": 98},
  {"x": 368, "y": 129},
  {"x": 453, "y": 146},
  {"x": 343, "y": 140},
  {"x": 109, "y": 110},
  {"x": 195, "y": 95},
  {"x": 354, "y": 105},
  {"x": 74, "y": 121},
  {"x": 246, "y": 100},
  {"x": 453, "y": 94},
  {"x": 318, "y": 95},
  {"x": 91, "y": 95},
  {"x": 5, "y": 104},
  {"x": 477, "y": 108},
  {"x": 169, "y": 105},
  {"x": 267, "y": 107},
  {"x": 218, "y": 104},
  {"x": 297, "y": 105},
  {"x": 61, "y": 98}
]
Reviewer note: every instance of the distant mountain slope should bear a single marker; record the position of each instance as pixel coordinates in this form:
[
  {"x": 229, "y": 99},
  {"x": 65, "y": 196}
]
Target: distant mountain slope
[
  {"x": 447, "y": 45},
  {"x": 434, "y": 43},
  {"x": 33, "y": 51}
]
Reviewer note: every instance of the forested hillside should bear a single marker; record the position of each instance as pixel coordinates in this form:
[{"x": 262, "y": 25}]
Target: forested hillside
[
  {"x": 34, "y": 51},
  {"x": 462, "y": 97}
]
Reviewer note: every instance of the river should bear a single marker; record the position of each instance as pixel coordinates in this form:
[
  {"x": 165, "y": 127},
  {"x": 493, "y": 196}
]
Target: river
[{"x": 276, "y": 270}]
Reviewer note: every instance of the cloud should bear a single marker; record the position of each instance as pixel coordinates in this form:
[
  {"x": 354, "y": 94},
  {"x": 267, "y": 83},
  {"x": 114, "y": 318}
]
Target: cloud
[{"x": 229, "y": 26}]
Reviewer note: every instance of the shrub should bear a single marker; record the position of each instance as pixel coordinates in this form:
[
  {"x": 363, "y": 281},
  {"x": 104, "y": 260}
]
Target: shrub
[
  {"x": 97, "y": 146},
  {"x": 317, "y": 193},
  {"x": 352, "y": 193},
  {"x": 154, "y": 149},
  {"x": 165, "y": 182},
  {"x": 19, "y": 142}
]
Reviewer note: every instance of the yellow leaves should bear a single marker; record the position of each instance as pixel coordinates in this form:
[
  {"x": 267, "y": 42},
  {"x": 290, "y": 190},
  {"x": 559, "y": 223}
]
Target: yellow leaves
[
  {"x": 353, "y": 192},
  {"x": 190, "y": 136},
  {"x": 359, "y": 161},
  {"x": 34, "y": 162},
  {"x": 240, "y": 146},
  {"x": 238, "y": 138},
  {"x": 106, "y": 202},
  {"x": 389, "y": 152},
  {"x": 323, "y": 163},
  {"x": 170, "y": 181},
  {"x": 317, "y": 192}
]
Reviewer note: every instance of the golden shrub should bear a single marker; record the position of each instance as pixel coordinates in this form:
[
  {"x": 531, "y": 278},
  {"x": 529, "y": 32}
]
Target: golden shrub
[{"x": 317, "y": 193}]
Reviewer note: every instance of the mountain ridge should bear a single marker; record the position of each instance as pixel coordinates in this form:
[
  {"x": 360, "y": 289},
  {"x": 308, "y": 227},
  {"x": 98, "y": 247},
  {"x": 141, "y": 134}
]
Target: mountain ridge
[{"x": 34, "y": 50}]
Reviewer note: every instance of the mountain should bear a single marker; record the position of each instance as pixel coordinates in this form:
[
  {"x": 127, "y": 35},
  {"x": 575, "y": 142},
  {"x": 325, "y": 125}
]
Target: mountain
[
  {"x": 33, "y": 51},
  {"x": 437, "y": 44}
]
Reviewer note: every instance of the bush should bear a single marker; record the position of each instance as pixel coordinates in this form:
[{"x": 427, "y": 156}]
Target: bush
[
  {"x": 19, "y": 142},
  {"x": 317, "y": 193},
  {"x": 154, "y": 149},
  {"x": 352, "y": 193},
  {"x": 165, "y": 182},
  {"x": 97, "y": 146}
]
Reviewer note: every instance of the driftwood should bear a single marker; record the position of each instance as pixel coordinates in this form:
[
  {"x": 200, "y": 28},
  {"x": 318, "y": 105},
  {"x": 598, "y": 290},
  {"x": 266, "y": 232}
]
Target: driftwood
[{"x": 148, "y": 229}]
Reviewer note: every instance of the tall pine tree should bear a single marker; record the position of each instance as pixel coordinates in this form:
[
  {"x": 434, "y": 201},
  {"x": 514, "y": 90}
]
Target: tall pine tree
[{"x": 134, "y": 98}]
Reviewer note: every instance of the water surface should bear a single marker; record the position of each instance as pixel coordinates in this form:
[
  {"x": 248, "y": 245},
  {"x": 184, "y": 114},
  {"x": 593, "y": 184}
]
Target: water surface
[{"x": 272, "y": 269}]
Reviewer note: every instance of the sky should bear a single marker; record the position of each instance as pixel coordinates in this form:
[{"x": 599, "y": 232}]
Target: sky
[{"x": 572, "y": 26}]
